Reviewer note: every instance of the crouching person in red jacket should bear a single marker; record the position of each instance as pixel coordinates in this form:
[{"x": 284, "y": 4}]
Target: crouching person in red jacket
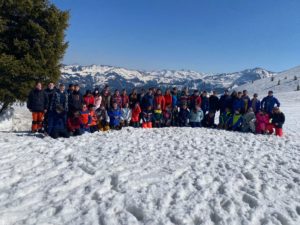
[
  {"x": 74, "y": 123},
  {"x": 278, "y": 119}
]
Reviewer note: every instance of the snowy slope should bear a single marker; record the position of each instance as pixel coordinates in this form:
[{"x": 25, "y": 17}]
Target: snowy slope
[
  {"x": 157, "y": 176},
  {"x": 90, "y": 76},
  {"x": 289, "y": 80}
]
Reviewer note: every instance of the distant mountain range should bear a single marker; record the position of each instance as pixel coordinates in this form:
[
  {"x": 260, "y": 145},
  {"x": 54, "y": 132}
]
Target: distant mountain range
[{"x": 118, "y": 78}]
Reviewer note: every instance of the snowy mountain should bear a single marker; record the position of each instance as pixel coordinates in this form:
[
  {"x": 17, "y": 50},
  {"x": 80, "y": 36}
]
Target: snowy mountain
[
  {"x": 91, "y": 76},
  {"x": 285, "y": 81}
]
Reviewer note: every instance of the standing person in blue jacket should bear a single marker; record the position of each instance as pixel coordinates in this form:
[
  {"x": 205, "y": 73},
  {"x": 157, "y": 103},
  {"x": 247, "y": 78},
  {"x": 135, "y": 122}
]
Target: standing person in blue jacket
[
  {"x": 60, "y": 98},
  {"x": 246, "y": 102},
  {"x": 224, "y": 101},
  {"x": 238, "y": 103},
  {"x": 255, "y": 103},
  {"x": 115, "y": 115},
  {"x": 269, "y": 102},
  {"x": 174, "y": 97},
  {"x": 147, "y": 100},
  {"x": 204, "y": 102}
]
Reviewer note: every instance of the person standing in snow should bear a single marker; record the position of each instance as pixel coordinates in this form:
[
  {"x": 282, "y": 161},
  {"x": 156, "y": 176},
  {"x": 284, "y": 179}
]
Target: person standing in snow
[
  {"x": 37, "y": 103},
  {"x": 168, "y": 99},
  {"x": 238, "y": 103},
  {"x": 224, "y": 101},
  {"x": 174, "y": 98},
  {"x": 195, "y": 99},
  {"x": 147, "y": 100},
  {"x": 277, "y": 121},
  {"x": 88, "y": 98},
  {"x": 59, "y": 98},
  {"x": 75, "y": 99},
  {"x": 204, "y": 102},
  {"x": 133, "y": 98},
  {"x": 255, "y": 103},
  {"x": 184, "y": 97},
  {"x": 135, "y": 118},
  {"x": 124, "y": 97},
  {"x": 269, "y": 102},
  {"x": 246, "y": 102},
  {"x": 214, "y": 102},
  {"x": 159, "y": 99},
  {"x": 98, "y": 98},
  {"x": 106, "y": 98}
]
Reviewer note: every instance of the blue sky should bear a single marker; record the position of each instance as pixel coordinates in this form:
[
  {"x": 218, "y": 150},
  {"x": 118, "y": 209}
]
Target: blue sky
[{"x": 201, "y": 35}]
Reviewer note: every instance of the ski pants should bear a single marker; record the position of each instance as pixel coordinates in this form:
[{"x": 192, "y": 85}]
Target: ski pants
[{"x": 37, "y": 121}]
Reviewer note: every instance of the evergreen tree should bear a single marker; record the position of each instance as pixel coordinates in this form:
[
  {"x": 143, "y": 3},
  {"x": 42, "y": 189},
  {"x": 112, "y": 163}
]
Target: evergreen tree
[{"x": 32, "y": 34}]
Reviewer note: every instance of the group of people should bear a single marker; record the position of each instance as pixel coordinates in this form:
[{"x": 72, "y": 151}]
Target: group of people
[{"x": 62, "y": 113}]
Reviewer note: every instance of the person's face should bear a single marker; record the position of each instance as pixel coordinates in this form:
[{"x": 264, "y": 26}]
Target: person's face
[
  {"x": 76, "y": 88},
  {"x": 117, "y": 93},
  {"x": 50, "y": 86},
  {"x": 239, "y": 95},
  {"x": 72, "y": 88},
  {"x": 62, "y": 88},
  {"x": 38, "y": 86},
  {"x": 124, "y": 92},
  {"x": 115, "y": 105},
  {"x": 245, "y": 92},
  {"x": 270, "y": 94},
  {"x": 84, "y": 107},
  {"x": 150, "y": 92}
]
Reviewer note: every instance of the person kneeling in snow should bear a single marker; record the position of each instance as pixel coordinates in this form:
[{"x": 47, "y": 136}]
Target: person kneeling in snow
[
  {"x": 262, "y": 121},
  {"x": 94, "y": 120},
  {"x": 157, "y": 116},
  {"x": 235, "y": 122},
  {"x": 249, "y": 121},
  {"x": 57, "y": 121},
  {"x": 126, "y": 115},
  {"x": 209, "y": 120},
  {"x": 224, "y": 118},
  {"x": 147, "y": 117},
  {"x": 115, "y": 117},
  {"x": 196, "y": 116},
  {"x": 278, "y": 120},
  {"x": 86, "y": 119},
  {"x": 183, "y": 116},
  {"x": 74, "y": 123},
  {"x": 103, "y": 118}
]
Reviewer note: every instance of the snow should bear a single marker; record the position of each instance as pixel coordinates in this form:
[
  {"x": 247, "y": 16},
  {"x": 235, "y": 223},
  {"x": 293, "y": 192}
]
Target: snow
[
  {"x": 287, "y": 83},
  {"x": 155, "y": 176}
]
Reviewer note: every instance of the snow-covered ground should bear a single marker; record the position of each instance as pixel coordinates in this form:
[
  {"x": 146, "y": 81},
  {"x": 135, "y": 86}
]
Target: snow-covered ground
[{"x": 156, "y": 176}]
